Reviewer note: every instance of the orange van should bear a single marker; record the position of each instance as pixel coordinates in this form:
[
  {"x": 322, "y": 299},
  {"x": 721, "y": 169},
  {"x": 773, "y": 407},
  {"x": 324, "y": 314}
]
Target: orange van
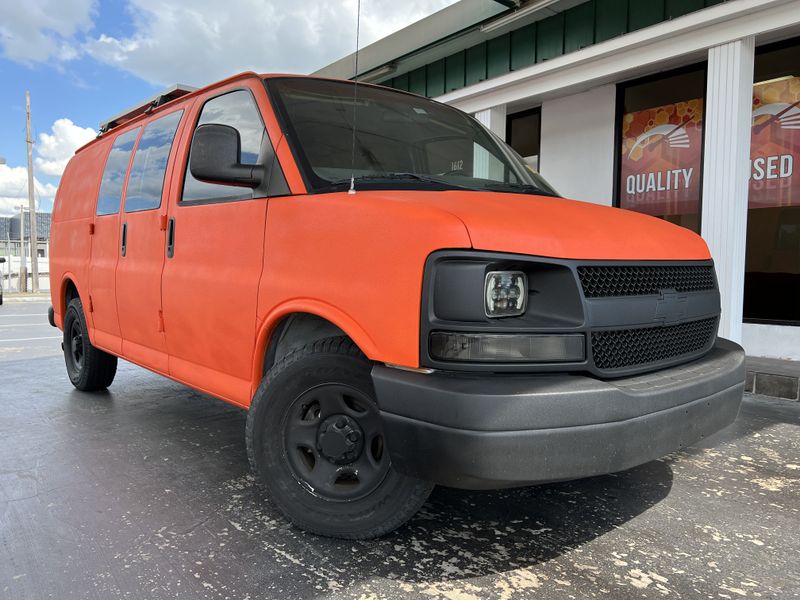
[{"x": 395, "y": 298}]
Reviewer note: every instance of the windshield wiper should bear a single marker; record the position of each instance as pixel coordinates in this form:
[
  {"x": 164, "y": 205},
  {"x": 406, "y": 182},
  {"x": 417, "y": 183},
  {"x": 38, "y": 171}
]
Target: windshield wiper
[
  {"x": 525, "y": 188},
  {"x": 399, "y": 175}
]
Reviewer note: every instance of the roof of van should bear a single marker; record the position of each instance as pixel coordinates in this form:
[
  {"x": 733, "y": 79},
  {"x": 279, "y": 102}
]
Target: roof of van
[
  {"x": 155, "y": 103},
  {"x": 147, "y": 107},
  {"x": 176, "y": 91}
]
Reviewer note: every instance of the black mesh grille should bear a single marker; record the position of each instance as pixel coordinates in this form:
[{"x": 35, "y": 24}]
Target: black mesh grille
[
  {"x": 645, "y": 345},
  {"x": 602, "y": 281}
]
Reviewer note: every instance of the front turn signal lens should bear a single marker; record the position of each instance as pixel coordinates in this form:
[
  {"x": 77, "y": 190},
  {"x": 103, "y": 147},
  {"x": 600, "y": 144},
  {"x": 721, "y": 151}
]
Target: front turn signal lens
[
  {"x": 512, "y": 348},
  {"x": 505, "y": 293}
]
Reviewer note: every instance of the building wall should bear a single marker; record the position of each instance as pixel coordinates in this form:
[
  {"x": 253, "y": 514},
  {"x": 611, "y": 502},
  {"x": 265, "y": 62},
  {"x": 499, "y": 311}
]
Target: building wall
[
  {"x": 43, "y": 221},
  {"x": 771, "y": 341},
  {"x": 581, "y": 25},
  {"x": 577, "y": 146}
]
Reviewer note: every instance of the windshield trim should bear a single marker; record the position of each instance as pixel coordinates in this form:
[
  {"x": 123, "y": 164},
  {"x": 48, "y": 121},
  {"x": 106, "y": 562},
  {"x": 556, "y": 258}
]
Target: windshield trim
[{"x": 315, "y": 184}]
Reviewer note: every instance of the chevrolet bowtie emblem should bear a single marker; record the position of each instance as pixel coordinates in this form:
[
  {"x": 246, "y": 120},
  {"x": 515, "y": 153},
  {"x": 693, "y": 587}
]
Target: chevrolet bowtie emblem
[{"x": 671, "y": 307}]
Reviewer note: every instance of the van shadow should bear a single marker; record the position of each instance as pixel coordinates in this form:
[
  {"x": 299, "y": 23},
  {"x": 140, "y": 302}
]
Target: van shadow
[
  {"x": 462, "y": 534},
  {"x": 457, "y": 535}
]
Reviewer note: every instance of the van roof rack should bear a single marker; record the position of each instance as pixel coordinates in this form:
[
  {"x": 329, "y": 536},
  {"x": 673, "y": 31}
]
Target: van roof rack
[{"x": 172, "y": 93}]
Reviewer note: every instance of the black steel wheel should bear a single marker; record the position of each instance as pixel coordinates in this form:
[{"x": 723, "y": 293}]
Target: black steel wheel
[
  {"x": 76, "y": 346},
  {"x": 334, "y": 443},
  {"x": 89, "y": 368},
  {"x": 315, "y": 442}
]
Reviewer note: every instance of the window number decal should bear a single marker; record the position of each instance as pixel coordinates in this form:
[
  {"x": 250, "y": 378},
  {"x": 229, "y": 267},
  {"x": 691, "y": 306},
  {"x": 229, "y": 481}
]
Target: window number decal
[{"x": 456, "y": 165}]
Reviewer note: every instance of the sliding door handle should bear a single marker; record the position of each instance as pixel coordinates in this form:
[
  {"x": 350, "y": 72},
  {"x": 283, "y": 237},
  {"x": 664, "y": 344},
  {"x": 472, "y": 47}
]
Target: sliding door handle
[
  {"x": 124, "y": 245},
  {"x": 171, "y": 238}
]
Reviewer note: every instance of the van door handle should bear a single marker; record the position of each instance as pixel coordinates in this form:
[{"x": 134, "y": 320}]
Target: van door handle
[
  {"x": 124, "y": 247},
  {"x": 171, "y": 238}
]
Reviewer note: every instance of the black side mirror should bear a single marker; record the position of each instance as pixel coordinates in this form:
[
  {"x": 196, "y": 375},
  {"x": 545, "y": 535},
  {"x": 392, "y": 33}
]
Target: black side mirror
[
  {"x": 2, "y": 260},
  {"x": 216, "y": 157}
]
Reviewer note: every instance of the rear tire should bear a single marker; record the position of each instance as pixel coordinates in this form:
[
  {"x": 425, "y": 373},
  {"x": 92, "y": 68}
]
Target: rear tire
[
  {"x": 89, "y": 368},
  {"x": 315, "y": 442}
]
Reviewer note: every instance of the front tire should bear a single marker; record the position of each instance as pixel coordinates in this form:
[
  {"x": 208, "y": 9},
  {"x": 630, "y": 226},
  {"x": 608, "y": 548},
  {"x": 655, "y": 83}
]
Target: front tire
[
  {"x": 315, "y": 442},
  {"x": 89, "y": 368}
]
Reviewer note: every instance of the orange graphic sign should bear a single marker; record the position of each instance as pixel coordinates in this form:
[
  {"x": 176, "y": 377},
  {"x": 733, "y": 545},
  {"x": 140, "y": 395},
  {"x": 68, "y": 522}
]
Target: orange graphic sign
[{"x": 775, "y": 146}]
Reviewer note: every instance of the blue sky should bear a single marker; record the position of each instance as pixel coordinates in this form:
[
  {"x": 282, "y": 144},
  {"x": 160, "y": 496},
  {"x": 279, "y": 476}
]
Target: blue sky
[{"x": 85, "y": 60}]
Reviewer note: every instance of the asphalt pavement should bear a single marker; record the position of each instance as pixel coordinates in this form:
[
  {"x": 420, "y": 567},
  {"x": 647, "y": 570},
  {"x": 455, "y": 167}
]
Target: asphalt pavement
[
  {"x": 144, "y": 492},
  {"x": 25, "y": 332}
]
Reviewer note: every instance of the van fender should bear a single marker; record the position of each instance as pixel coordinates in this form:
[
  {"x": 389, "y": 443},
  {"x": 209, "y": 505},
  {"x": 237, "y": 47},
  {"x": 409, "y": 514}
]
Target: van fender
[
  {"x": 60, "y": 306},
  {"x": 317, "y": 308}
]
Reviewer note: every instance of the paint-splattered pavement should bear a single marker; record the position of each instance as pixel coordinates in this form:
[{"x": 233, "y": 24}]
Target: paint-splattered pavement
[{"x": 144, "y": 492}]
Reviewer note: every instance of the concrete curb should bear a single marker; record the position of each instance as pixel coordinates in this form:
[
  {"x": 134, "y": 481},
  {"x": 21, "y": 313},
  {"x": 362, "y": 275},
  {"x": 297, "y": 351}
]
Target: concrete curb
[
  {"x": 771, "y": 377},
  {"x": 26, "y": 298}
]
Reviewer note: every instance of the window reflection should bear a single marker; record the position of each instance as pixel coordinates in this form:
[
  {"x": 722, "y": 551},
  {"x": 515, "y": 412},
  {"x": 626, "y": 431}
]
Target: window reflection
[
  {"x": 110, "y": 195},
  {"x": 146, "y": 181}
]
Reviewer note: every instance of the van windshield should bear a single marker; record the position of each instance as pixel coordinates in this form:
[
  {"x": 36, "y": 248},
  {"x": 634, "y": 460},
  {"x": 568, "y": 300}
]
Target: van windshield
[{"x": 402, "y": 141}]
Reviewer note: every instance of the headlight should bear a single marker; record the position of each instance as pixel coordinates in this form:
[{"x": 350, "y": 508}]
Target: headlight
[
  {"x": 507, "y": 347},
  {"x": 506, "y": 293}
]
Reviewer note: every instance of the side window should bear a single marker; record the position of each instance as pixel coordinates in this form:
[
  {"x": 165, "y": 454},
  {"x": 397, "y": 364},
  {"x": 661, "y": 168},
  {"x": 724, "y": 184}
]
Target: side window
[
  {"x": 146, "y": 181},
  {"x": 114, "y": 174},
  {"x": 237, "y": 109}
]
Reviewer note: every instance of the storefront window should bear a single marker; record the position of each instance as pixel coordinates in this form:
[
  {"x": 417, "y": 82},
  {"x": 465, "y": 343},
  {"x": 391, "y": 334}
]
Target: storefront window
[
  {"x": 524, "y": 133},
  {"x": 772, "y": 268},
  {"x": 661, "y": 146}
]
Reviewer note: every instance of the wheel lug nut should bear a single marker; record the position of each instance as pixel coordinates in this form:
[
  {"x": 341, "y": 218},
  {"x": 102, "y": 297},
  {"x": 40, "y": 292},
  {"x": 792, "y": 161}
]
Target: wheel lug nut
[
  {"x": 353, "y": 437},
  {"x": 341, "y": 422}
]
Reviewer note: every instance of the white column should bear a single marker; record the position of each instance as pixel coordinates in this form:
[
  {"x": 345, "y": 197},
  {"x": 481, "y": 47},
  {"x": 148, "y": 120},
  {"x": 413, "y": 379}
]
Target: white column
[
  {"x": 726, "y": 172},
  {"x": 494, "y": 119}
]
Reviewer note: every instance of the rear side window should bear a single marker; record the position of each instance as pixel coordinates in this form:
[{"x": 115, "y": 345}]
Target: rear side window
[
  {"x": 114, "y": 174},
  {"x": 146, "y": 181},
  {"x": 239, "y": 110}
]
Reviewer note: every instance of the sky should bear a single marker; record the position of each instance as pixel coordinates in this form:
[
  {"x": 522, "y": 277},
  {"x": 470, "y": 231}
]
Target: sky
[{"x": 85, "y": 60}]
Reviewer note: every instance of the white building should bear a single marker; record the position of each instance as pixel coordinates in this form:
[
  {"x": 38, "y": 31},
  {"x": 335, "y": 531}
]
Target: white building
[{"x": 688, "y": 110}]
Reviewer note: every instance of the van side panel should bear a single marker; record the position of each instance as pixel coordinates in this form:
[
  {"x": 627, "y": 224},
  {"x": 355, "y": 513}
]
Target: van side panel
[{"x": 70, "y": 238}]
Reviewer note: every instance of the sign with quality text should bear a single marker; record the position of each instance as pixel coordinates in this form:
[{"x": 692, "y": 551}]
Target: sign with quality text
[{"x": 660, "y": 159}]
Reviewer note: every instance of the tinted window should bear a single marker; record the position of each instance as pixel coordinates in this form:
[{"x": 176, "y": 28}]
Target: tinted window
[
  {"x": 238, "y": 110},
  {"x": 661, "y": 136},
  {"x": 114, "y": 174},
  {"x": 524, "y": 135},
  {"x": 146, "y": 180},
  {"x": 772, "y": 268}
]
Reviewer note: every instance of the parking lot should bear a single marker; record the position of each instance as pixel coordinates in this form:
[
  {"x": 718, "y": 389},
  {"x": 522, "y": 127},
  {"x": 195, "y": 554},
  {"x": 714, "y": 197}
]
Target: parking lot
[{"x": 144, "y": 492}]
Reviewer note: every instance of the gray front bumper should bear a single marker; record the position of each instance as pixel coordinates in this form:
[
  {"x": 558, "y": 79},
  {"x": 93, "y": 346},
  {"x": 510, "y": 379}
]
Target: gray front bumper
[{"x": 479, "y": 431}]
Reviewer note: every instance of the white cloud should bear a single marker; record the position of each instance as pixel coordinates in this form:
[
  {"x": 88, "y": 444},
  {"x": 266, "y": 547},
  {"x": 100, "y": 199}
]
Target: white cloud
[
  {"x": 14, "y": 189},
  {"x": 41, "y": 30},
  {"x": 55, "y": 149},
  {"x": 53, "y": 152},
  {"x": 199, "y": 42}
]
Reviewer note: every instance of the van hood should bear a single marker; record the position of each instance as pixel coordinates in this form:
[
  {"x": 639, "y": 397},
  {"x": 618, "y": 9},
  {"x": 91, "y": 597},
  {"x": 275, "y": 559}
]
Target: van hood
[{"x": 559, "y": 228}]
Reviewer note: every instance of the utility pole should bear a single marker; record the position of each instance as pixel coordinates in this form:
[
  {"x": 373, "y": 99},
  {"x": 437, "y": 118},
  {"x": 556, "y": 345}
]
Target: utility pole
[
  {"x": 23, "y": 264},
  {"x": 34, "y": 240}
]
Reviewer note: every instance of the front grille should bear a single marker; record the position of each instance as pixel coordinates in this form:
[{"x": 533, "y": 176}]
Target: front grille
[
  {"x": 607, "y": 281},
  {"x": 621, "y": 348}
]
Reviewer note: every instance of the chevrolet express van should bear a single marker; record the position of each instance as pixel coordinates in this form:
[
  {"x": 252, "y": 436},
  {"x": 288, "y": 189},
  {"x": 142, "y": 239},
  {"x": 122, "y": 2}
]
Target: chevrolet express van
[{"x": 388, "y": 290}]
